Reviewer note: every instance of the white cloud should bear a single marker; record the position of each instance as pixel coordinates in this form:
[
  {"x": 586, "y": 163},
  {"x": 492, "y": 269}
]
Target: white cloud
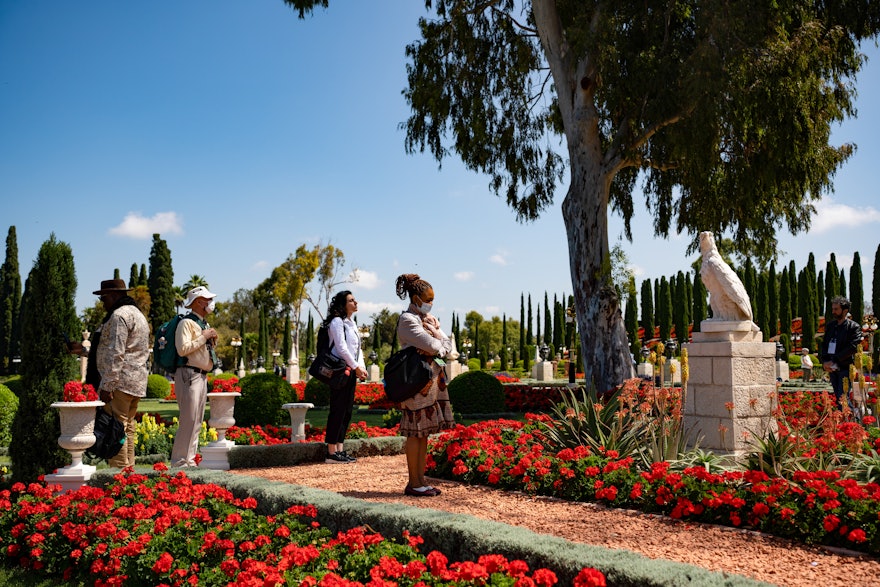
[
  {"x": 136, "y": 226},
  {"x": 499, "y": 258},
  {"x": 463, "y": 275},
  {"x": 493, "y": 310},
  {"x": 260, "y": 265},
  {"x": 830, "y": 216},
  {"x": 637, "y": 270},
  {"x": 365, "y": 279}
]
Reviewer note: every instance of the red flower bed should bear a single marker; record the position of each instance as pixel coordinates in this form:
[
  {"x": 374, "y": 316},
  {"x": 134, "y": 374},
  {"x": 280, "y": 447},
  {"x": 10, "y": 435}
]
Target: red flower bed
[{"x": 166, "y": 530}]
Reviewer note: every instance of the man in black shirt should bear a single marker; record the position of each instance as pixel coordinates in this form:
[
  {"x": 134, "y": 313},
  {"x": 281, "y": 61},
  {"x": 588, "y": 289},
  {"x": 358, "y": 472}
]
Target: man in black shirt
[{"x": 842, "y": 338}]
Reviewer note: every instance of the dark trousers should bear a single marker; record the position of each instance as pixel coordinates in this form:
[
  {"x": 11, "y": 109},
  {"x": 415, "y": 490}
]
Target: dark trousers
[
  {"x": 341, "y": 406},
  {"x": 836, "y": 379}
]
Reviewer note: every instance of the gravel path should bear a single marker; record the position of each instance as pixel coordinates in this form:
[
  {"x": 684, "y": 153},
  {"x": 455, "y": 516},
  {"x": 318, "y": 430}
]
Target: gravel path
[{"x": 766, "y": 558}]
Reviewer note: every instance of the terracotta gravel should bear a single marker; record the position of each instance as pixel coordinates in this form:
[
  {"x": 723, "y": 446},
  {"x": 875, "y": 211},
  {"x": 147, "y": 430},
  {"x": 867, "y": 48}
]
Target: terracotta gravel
[{"x": 766, "y": 558}]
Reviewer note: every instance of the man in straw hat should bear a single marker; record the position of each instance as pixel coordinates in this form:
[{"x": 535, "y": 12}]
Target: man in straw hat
[
  {"x": 122, "y": 349},
  {"x": 195, "y": 342}
]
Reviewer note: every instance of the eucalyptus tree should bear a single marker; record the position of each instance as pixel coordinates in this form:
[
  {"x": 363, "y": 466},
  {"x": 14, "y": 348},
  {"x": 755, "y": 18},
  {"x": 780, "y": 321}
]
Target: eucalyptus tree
[{"x": 725, "y": 109}]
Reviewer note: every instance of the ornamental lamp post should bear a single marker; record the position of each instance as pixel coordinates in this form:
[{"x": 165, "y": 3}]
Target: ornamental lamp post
[
  {"x": 671, "y": 347},
  {"x": 780, "y": 350},
  {"x": 645, "y": 352},
  {"x": 235, "y": 343}
]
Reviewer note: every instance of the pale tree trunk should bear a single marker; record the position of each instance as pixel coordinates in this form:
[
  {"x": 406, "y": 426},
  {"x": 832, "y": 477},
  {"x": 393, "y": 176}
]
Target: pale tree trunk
[
  {"x": 293, "y": 360},
  {"x": 605, "y": 352},
  {"x": 604, "y": 348}
]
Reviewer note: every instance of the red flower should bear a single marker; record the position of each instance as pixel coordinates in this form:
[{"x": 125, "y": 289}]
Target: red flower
[
  {"x": 74, "y": 391},
  {"x": 163, "y": 565},
  {"x": 589, "y": 577}
]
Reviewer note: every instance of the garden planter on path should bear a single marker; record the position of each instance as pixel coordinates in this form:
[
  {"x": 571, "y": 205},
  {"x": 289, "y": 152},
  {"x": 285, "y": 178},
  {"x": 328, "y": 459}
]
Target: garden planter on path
[{"x": 216, "y": 454}]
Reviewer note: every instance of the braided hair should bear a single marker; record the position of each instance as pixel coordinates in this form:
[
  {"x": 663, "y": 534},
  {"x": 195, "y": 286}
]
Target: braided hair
[
  {"x": 411, "y": 284},
  {"x": 337, "y": 307}
]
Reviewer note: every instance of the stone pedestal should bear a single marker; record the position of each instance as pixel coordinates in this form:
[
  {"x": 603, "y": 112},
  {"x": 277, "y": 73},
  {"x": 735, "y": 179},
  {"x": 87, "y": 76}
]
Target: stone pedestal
[
  {"x": 544, "y": 371},
  {"x": 215, "y": 455},
  {"x": 645, "y": 370},
  {"x": 373, "y": 370},
  {"x": 731, "y": 392},
  {"x": 782, "y": 371},
  {"x": 297, "y": 419},
  {"x": 452, "y": 368},
  {"x": 672, "y": 376}
]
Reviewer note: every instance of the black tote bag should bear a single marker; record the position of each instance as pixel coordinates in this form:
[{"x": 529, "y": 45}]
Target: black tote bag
[{"x": 406, "y": 374}]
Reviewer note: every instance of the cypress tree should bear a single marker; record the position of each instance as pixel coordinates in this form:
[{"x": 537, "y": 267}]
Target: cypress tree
[
  {"x": 793, "y": 287},
  {"x": 538, "y": 338},
  {"x": 842, "y": 282},
  {"x": 530, "y": 337},
  {"x": 657, "y": 302},
  {"x": 806, "y": 300},
  {"x": 679, "y": 313},
  {"x": 285, "y": 339},
  {"x": 664, "y": 310},
  {"x": 762, "y": 318},
  {"x": 750, "y": 280},
  {"x": 522, "y": 324},
  {"x": 832, "y": 285},
  {"x": 773, "y": 300},
  {"x": 647, "y": 310},
  {"x": 10, "y": 302},
  {"x": 142, "y": 276},
  {"x": 504, "y": 342},
  {"x": 548, "y": 325},
  {"x": 689, "y": 302},
  {"x": 48, "y": 315},
  {"x": 784, "y": 304},
  {"x": 856, "y": 289},
  {"x": 700, "y": 303},
  {"x": 875, "y": 304},
  {"x": 558, "y": 324},
  {"x": 570, "y": 325},
  {"x": 116, "y": 274},
  {"x": 133, "y": 276},
  {"x": 820, "y": 293},
  {"x": 631, "y": 318},
  {"x": 160, "y": 283}
]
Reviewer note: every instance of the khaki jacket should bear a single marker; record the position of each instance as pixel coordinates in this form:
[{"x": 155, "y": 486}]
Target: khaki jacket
[{"x": 191, "y": 345}]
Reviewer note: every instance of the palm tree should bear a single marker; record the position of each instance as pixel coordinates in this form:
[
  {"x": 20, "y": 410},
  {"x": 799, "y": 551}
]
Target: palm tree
[
  {"x": 195, "y": 281},
  {"x": 180, "y": 296}
]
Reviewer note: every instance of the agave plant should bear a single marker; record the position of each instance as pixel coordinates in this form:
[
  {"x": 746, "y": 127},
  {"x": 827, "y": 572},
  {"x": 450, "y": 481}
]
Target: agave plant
[
  {"x": 865, "y": 467},
  {"x": 582, "y": 420},
  {"x": 708, "y": 460},
  {"x": 776, "y": 456}
]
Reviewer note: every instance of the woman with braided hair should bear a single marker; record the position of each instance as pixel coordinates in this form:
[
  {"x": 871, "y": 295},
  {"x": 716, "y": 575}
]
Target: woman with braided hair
[{"x": 429, "y": 411}]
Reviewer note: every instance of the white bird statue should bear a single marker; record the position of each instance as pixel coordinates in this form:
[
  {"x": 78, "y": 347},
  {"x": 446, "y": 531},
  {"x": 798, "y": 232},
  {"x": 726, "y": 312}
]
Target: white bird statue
[{"x": 727, "y": 294}]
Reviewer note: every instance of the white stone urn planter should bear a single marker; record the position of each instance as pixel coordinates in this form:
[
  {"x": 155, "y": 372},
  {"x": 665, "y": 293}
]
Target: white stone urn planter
[
  {"x": 77, "y": 435},
  {"x": 216, "y": 454},
  {"x": 297, "y": 419}
]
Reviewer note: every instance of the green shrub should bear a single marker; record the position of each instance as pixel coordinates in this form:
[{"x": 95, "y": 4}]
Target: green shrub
[
  {"x": 262, "y": 395},
  {"x": 476, "y": 392},
  {"x": 158, "y": 387},
  {"x": 8, "y": 407},
  {"x": 13, "y": 382},
  {"x": 317, "y": 393}
]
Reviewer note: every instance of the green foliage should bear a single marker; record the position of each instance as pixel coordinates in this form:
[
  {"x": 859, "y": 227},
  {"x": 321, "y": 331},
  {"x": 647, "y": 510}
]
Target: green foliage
[
  {"x": 476, "y": 392},
  {"x": 582, "y": 420},
  {"x": 262, "y": 395},
  {"x": 158, "y": 387},
  {"x": 160, "y": 283},
  {"x": 8, "y": 408},
  {"x": 47, "y": 314},
  {"x": 317, "y": 392},
  {"x": 391, "y": 418},
  {"x": 856, "y": 289}
]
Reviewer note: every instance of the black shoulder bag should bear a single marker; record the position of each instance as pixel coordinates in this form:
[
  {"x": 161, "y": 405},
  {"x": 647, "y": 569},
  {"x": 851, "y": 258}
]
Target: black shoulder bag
[{"x": 327, "y": 367}]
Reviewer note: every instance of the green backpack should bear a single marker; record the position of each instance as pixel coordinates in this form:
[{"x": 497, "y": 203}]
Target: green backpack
[{"x": 164, "y": 350}]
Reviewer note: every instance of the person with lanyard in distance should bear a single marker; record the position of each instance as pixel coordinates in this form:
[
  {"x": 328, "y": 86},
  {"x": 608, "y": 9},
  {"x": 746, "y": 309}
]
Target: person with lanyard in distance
[
  {"x": 429, "y": 410},
  {"x": 345, "y": 344},
  {"x": 121, "y": 347},
  {"x": 841, "y": 341},
  {"x": 195, "y": 342}
]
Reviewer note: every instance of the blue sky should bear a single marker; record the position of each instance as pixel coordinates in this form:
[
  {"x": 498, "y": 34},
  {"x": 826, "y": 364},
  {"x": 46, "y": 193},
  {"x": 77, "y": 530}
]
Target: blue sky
[{"x": 239, "y": 132}]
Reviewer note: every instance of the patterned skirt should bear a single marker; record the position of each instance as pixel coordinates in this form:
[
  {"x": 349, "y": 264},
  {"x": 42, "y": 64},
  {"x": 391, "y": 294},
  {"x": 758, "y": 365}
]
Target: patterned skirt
[{"x": 423, "y": 415}]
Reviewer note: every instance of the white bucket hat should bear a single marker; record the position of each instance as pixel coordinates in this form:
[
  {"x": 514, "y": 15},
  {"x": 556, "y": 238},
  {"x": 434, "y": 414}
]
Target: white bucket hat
[{"x": 196, "y": 293}]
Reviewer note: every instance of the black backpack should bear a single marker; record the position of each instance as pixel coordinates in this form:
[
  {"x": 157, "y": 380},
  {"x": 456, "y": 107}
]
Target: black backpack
[{"x": 109, "y": 436}]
